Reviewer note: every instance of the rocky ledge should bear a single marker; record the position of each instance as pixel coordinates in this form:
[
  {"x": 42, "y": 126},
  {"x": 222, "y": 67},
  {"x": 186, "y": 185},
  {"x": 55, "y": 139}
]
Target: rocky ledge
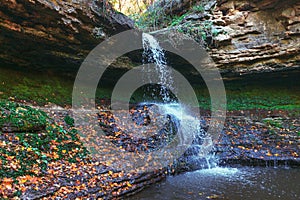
[{"x": 55, "y": 34}]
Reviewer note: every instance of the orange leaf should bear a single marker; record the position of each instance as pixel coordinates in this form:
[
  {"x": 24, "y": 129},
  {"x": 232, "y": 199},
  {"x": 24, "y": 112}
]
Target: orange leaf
[
  {"x": 7, "y": 182},
  {"x": 55, "y": 155},
  {"x": 128, "y": 184},
  {"x": 23, "y": 180}
]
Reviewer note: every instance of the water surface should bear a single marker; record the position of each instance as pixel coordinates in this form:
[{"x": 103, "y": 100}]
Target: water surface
[{"x": 228, "y": 183}]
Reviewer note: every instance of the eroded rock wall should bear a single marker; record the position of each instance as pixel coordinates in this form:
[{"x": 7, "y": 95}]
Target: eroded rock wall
[{"x": 54, "y": 34}]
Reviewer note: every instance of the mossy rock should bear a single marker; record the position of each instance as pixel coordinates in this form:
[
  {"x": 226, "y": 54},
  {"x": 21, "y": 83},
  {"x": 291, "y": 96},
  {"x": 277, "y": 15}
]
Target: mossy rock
[{"x": 15, "y": 117}]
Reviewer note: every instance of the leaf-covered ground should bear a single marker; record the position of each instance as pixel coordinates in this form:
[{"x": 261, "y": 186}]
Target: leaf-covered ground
[{"x": 51, "y": 161}]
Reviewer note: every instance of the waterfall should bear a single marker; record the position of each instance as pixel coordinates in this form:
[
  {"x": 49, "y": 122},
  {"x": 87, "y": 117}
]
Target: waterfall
[
  {"x": 189, "y": 127},
  {"x": 153, "y": 53}
]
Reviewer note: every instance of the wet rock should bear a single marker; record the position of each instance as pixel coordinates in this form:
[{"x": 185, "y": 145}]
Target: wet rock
[
  {"x": 255, "y": 144},
  {"x": 7, "y": 128},
  {"x": 88, "y": 184},
  {"x": 140, "y": 137}
]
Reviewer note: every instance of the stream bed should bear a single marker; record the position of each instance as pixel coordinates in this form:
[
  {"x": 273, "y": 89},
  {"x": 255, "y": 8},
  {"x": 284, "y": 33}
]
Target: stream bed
[{"x": 265, "y": 183}]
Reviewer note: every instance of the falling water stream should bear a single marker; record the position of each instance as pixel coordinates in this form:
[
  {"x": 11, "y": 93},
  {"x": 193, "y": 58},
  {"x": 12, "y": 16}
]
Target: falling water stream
[{"x": 153, "y": 53}]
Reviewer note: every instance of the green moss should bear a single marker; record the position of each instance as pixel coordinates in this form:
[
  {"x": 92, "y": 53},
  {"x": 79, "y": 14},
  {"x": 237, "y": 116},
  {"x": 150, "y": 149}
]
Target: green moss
[
  {"x": 15, "y": 115},
  {"x": 38, "y": 87},
  {"x": 276, "y": 123},
  {"x": 198, "y": 8},
  {"x": 267, "y": 95}
]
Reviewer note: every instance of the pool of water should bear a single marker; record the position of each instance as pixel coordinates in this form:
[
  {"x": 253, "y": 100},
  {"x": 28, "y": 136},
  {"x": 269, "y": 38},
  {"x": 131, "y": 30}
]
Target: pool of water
[{"x": 228, "y": 183}]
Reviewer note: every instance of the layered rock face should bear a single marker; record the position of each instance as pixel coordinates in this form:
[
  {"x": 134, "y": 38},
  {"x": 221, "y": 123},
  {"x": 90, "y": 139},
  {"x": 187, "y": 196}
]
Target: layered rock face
[
  {"x": 55, "y": 34},
  {"x": 242, "y": 36},
  {"x": 257, "y": 36}
]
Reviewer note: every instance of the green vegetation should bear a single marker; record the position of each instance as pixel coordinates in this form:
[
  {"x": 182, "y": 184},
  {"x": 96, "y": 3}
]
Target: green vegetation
[
  {"x": 151, "y": 18},
  {"x": 254, "y": 97},
  {"x": 203, "y": 32},
  {"x": 29, "y": 152},
  {"x": 69, "y": 121},
  {"x": 15, "y": 115},
  {"x": 178, "y": 19},
  {"x": 155, "y": 18}
]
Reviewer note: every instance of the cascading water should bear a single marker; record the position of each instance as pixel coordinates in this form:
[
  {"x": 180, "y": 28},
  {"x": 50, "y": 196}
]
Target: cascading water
[{"x": 189, "y": 127}]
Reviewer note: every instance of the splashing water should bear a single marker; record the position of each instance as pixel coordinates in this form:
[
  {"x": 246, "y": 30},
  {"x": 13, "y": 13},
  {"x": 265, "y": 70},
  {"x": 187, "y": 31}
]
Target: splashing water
[{"x": 188, "y": 125}]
